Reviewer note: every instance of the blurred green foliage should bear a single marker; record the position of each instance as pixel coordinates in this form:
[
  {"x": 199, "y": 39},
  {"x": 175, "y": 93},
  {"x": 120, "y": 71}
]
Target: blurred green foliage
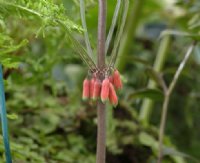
[{"x": 48, "y": 122}]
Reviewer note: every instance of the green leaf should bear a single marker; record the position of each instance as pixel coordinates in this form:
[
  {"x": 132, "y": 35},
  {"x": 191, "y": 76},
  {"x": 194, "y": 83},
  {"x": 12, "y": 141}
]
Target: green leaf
[
  {"x": 155, "y": 76},
  {"x": 153, "y": 94},
  {"x": 171, "y": 151},
  {"x": 11, "y": 48},
  {"x": 148, "y": 140},
  {"x": 9, "y": 63},
  {"x": 132, "y": 59},
  {"x": 51, "y": 17},
  {"x": 180, "y": 33},
  {"x": 47, "y": 12},
  {"x": 12, "y": 116}
]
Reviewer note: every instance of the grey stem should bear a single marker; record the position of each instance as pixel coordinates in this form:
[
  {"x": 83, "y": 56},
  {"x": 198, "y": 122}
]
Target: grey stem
[
  {"x": 101, "y": 109},
  {"x": 167, "y": 98}
]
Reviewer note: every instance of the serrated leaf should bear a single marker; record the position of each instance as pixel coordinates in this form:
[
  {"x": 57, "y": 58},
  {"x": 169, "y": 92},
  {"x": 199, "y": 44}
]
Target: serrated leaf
[
  {"x": 49, "y": 18},
  {"x": 11, "y": 48},
  {"x": 48, "y": 13},
  {"x": 9, "y": 63}
]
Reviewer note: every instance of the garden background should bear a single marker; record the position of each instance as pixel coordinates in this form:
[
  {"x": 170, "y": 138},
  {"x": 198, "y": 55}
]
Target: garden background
[{"x": 48, "y": 121}]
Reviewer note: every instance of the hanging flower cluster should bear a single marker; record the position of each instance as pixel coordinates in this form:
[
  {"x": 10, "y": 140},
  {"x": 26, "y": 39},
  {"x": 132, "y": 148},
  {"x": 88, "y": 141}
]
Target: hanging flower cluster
[{"x": 94, "y": 89}]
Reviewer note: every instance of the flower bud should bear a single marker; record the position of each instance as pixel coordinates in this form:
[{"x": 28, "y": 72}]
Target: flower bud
[
  {"x": 105, "y": 90},
  {"x": 112, "y": 95},
  {"x": 117, "y": 80},
  {"x": 86, "y": 89},
  {"x": 97, "y": 90}
]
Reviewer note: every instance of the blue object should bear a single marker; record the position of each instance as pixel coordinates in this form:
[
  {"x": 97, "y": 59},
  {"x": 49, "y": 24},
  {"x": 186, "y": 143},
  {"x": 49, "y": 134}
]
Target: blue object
[{"x": 4, "y": 123}]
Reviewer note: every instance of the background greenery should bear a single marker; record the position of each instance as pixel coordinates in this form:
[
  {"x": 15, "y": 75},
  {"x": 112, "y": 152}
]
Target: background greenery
[{"x": 48, "y": 121}]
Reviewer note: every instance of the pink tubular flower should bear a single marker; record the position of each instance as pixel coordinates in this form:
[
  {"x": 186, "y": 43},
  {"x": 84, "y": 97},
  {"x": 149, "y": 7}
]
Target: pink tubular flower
[
  {"x": 105, "y": 90},
  {"x": 86, "y": 89},
  {"x": 117, "y": 80},
  {"x": 112, "y": 95},
  {"x": 92, "y": 81},
  {"x": 97, "y": 90}
]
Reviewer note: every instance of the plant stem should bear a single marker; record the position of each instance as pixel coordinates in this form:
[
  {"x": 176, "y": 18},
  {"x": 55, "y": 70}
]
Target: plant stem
[
  {"x": 126, "y": 41},
  {"x": 101, "y": 113},
  {"x": 147, "y": 104},
  {"x": 167, "y": 97},
  {"x": 162, "y": 127}
]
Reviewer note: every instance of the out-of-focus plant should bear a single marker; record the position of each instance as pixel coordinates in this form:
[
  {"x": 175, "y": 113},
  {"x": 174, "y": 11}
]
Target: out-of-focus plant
[{"x": 48, "y": 121}]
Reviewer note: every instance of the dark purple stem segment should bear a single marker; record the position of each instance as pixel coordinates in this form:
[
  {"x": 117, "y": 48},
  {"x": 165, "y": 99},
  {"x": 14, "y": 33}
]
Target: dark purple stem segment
[
  {"x": 101, "y": 34},
  {"x": 101, "y": 109}
]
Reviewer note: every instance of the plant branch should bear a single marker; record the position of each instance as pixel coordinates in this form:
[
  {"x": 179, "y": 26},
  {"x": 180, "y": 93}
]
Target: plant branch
[
  {"x": 147, "y": 104},
  {"x": 180, "y": 68},
  {"x": 167, "y": 98},
  {"x": 101, "y": 109}
]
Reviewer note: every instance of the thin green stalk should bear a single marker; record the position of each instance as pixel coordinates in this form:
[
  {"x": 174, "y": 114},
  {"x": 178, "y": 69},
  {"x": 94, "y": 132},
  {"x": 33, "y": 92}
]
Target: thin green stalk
[
  {"x": 167, "y": 98},
  {"x": 114, "y": 53},
  {"x": 101, "y": 109},
  {"x": 126, "y": 41},
  {"x": 147, "y": 104},
  {"x": 83, "y": 20},
  {"x": 162, "y": 127},
  {"x": 114, "y": 21}
]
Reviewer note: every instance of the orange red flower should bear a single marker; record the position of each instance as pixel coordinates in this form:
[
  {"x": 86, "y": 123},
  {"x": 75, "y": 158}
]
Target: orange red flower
[
  {"x": 117, "y": 80},
  {"x": 97, "y": 90},
  {"x": 105, "y": 90},
  {"x": 86, "y": 89},
  {"x": 94, "y": 88},
  {"x": 112, "y": 95}
]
